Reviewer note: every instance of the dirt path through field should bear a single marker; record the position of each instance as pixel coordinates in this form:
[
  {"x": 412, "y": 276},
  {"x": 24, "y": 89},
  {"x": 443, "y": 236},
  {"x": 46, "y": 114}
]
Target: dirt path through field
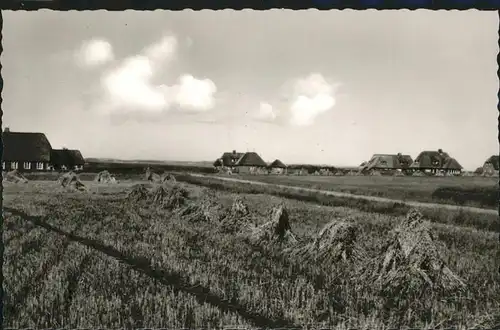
[{"x": 341, "y": 194}]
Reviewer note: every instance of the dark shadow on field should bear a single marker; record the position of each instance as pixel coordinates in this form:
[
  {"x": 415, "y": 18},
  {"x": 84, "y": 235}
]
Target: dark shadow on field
[
  {"x": 172, "y": 279},
  {"x": 12, "y": 309},
  {"x": 484, "y": 196}
]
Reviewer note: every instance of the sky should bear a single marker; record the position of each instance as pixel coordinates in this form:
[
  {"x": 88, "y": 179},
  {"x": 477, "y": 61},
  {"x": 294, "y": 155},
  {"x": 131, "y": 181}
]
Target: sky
[{"x": 317, "y": 87}]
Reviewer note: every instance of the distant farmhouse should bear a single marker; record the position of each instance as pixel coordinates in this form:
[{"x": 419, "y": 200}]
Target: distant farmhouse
[
  {"x": 387, "y": 162},
  {"x": 436, "y": 162},
  {"x": 238, "y": 162},
  {"x": 228, "y": 159},
  {"x": 277, "y": 167},
  {"x": 490, "y": 167},
  {"x": 251, "y": 162},
  {"x": 63, "y": 159},
  {"x": 28, "y": 151}
]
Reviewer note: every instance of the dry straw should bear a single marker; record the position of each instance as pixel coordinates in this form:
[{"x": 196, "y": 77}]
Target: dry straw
[
  {"x": 14, "y": 176},
  {"x": 105, "y": 177}
]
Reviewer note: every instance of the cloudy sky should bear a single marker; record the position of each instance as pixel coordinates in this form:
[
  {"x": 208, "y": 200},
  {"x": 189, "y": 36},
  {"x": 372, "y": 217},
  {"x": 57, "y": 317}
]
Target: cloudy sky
[{"x": 328, "y": 87}]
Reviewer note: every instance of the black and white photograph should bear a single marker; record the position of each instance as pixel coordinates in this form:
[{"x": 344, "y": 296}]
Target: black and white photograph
[{"x": 250, "y": 169}]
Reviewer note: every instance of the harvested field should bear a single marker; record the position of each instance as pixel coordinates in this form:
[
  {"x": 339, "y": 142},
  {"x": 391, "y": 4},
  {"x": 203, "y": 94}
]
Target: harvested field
[{"x": 103, "y": 258}]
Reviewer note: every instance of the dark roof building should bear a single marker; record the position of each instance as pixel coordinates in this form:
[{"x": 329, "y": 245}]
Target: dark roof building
[
  {"x": 251, "y": 159},
  {"x": 436, "y": 160},
  {"x": 493, "y": 161},
  {"x": 66, "y": 157},
  {"x": 228, "y": 159},
  {"x": 452, "y": 164},
  {"x": 387, "y": 162},
  {"x": 277, "y": 164},
  {"x": 489, "y": 167},
  {"x": 25, "y": 147}
]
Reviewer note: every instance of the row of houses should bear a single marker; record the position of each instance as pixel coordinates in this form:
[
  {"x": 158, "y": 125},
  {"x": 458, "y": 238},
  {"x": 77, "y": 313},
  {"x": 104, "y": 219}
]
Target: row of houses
[
  {"x": 427, "y": 161},
  {"x": 252, "y": 163},
  {"x": 433, "y": 162},
  {"x": 29, "y": 152}
]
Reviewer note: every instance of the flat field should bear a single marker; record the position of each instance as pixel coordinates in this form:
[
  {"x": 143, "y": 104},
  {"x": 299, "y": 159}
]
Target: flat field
[
  {"x": 89, "y": 259},
  {"x": 468, "y": 191}
]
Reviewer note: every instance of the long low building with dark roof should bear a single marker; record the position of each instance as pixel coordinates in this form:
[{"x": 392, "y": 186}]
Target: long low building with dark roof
[
  {"x": 25, "y": 151},
  {"x": 32, "y": 151}
]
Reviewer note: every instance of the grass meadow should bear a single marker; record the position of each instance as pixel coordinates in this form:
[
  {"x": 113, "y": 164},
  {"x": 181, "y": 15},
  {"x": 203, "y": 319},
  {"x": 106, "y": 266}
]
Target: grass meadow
[
  {"x": 475, "y": 191},
  {"x": 89, "y": 259}
]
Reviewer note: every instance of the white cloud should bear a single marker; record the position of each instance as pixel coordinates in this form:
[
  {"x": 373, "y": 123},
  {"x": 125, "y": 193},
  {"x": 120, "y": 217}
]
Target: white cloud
[
  {"x": 195, "y": 94},
  {"x": 129, "y": 86},
  {"x": 266, "y": 112},
  {"x": 312, "y": 96},
  {"x": 94, "y": 52},
  {"x": 162, "y": 50}
]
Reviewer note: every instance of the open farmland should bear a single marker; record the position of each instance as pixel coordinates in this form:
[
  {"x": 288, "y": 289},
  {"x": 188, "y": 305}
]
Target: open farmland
[
  {"x": 469, "y": 191},
  {"x": 99, "y": 258}
]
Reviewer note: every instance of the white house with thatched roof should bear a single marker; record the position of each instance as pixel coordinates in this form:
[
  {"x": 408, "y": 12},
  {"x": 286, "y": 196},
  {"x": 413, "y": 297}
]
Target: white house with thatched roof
[{"x": 251, "y": 163}]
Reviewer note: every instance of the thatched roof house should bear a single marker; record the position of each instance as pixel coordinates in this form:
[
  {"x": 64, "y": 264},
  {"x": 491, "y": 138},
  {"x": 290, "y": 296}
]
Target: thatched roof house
[
  {"x": 69, "y": 158},
  {"x": 251, "y": 159},
  {"x": 228, "y": 159},
  {"x": 277, "y": 164},
  {"x": 490, "y": 166},
  {"x": 387, "y": 162},
  {"x": 452, "y": 164},
  {"x": 25, "y": 151},
  {"x": 493, "y": 161},
  {"x": 436, "y": 160},
  {"x": 277, "y": 167}
]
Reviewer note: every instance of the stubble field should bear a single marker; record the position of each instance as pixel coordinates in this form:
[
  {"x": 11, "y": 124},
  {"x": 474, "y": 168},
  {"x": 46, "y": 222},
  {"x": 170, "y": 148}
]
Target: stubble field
[{"x": 97, "y": 258}]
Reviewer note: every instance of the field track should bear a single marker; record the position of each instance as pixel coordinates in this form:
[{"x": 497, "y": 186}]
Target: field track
[{"x": 341, "y": 194}]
